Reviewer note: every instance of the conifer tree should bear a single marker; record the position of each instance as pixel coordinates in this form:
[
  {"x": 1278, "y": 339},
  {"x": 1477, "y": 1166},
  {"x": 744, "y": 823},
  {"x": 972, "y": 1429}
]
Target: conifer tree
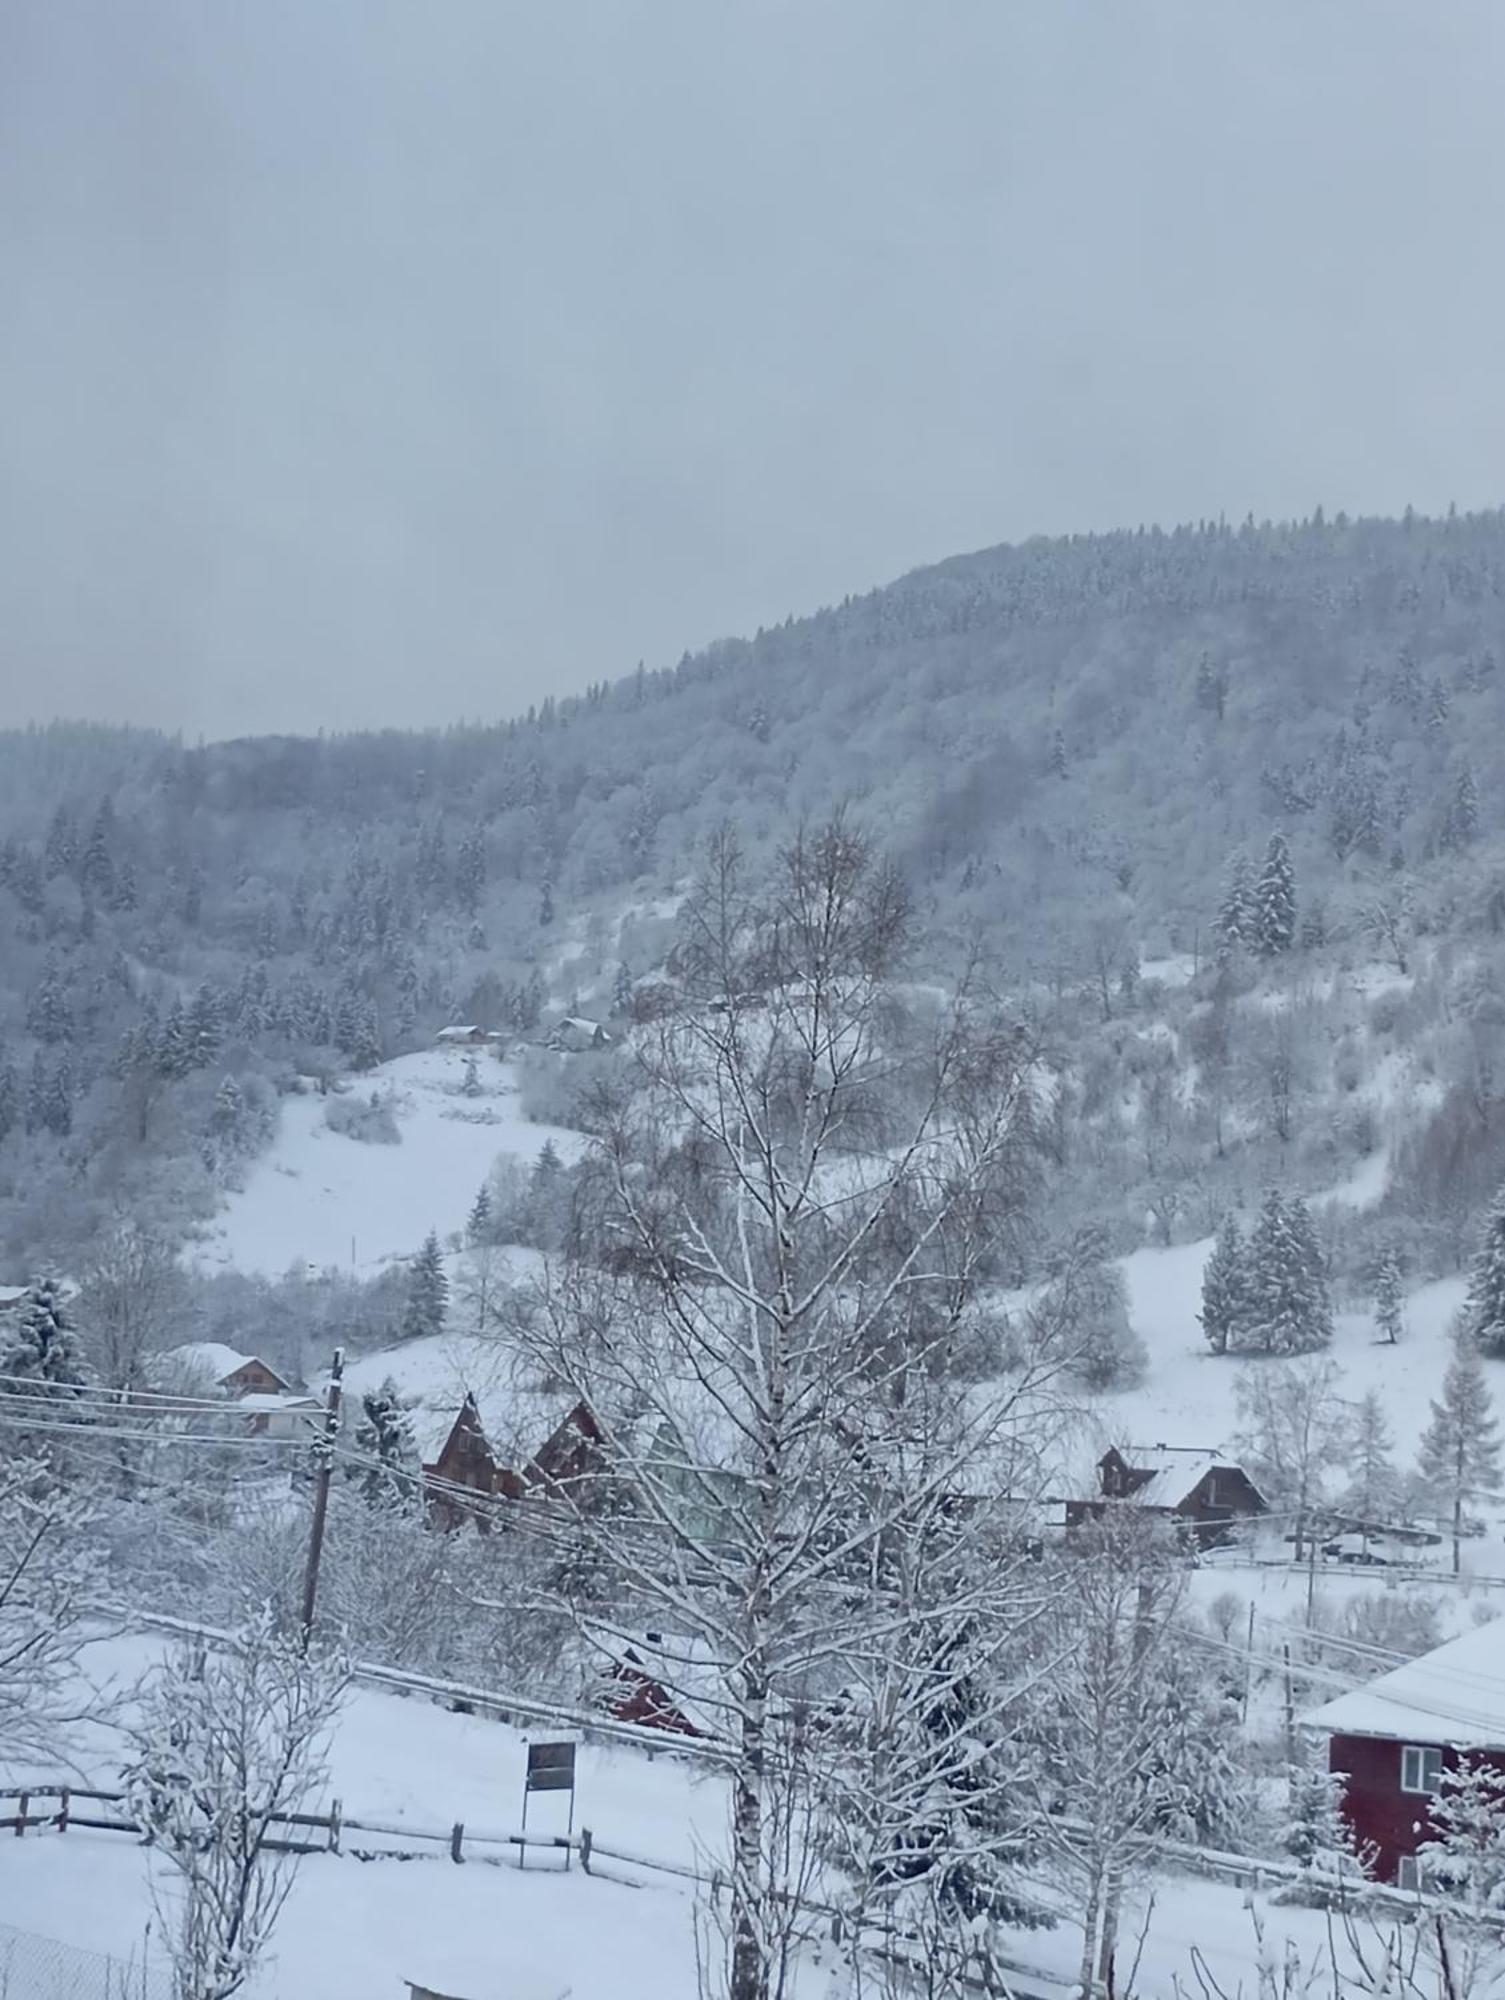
[
  {"x": 1235, "y": 924},
  {"x": 366, "y": 1052},
  {"x": 1275, "y": 900},
  {"x": 59, "y": 1108},
  {"x": 1224, "y": 1288},
  {"x": 478, "y": 1222},
  {"x": 385, "y": 1432},
  {"x": 1465, "y": 1857},
  {"x": 1460, "y": 1450},
  {"x": 1288, "y": 1308},
  {"x": 10, "y": 1096},
  {"x": 41, "y": 1357},
  {"x": 428, "y": 1292},
  {"x": 1389, "y": 1307},
  {"x": 1317, "y": 1836},
  {"x": 1485, "y": 1310}
]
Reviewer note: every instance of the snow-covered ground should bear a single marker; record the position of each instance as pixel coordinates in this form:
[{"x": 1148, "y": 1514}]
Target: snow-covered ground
[
  {"x": 319, "y": 1199},
  {"x": 355, "y": 1930}
]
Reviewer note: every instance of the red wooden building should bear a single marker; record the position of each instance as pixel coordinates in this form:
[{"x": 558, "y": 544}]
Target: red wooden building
[
  {"x": 1392, "y": 1739},
  {"x": 1190, "y": 1484}
]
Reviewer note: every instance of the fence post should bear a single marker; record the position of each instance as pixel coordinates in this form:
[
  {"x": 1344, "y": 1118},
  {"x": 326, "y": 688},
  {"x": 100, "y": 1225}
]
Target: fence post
[
  {"x": 21, "y": 1816},
  {"x": 585, "y": 1849},
  {"x": 456, "y": 1838},
  {"x": 62, "y": 1812},
  {"x": 334, "y": 1826}
]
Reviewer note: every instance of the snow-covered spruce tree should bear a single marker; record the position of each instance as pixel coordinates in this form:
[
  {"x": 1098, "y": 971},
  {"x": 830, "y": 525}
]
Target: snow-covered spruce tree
[
  {"x": 427, "y": 1300},
  {"x": 1274, "y": 900},
  {"x": 224, "y": 1743},
  {"x": 384, "y": 1432},
  {"x": 41, "y": 1355},
  {"x": 478, "y": 1222},
  {"x": 1485, "y": 1309},
  {"x": 1389, "y": 1298},
  {"x": 1317, "y": 1836},
  {"x": 1235, "y": 920},
  {"x": 1288, "y": 1310},
  {"x": 1465, "y": 1858},
  {"x": 1224, "y": 1281},
  {"x": 1459, "y": 1454},
  {"x": 797, "y": 1198}
]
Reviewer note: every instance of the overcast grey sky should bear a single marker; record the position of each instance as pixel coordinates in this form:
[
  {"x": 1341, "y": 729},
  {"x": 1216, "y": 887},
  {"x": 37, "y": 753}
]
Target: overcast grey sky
[{"x": 391, "y": 361}]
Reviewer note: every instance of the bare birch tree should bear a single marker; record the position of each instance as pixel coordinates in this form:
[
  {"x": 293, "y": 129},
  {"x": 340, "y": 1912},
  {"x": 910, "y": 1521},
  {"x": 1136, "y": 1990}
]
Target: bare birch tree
[{"x": 794, "y": 1216}]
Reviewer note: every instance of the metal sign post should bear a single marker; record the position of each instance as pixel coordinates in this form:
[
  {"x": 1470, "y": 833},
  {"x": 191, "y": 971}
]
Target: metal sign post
[{"x": 551, "y": 1768}]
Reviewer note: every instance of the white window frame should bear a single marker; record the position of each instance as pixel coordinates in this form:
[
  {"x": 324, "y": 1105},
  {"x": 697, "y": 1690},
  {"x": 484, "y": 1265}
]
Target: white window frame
[
  {"x": 1417, "y": 1761},
  {"x": 1408, "y": 1874}
]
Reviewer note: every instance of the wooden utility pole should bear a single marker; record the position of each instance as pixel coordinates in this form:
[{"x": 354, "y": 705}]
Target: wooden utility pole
[{"x": 323, "y": 1473}]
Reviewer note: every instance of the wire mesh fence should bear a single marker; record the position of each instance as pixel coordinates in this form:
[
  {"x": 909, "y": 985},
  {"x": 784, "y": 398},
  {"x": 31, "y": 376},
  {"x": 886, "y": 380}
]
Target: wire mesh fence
[{"x": 43, "y": 1968}]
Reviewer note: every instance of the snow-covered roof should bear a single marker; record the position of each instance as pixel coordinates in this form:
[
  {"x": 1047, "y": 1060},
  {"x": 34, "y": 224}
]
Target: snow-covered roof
[
  {"x": 272, "y": 1399},
  {"x": 1453, "y": 1695},
  {"x": 213, "y": 1356},
  {"x": 1175, "y": 1471},
  {"x": 684, "y": 1667}
]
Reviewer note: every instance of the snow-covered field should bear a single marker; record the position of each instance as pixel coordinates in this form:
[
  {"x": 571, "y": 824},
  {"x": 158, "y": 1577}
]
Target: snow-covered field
[
  {"x": 355, "y": 1930},
  {"x": 318, "y": 1199}
]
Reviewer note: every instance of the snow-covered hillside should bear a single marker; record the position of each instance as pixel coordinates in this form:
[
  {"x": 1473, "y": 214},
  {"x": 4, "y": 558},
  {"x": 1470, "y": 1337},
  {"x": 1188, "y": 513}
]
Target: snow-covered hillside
[{"x": 317, "y": 1199}]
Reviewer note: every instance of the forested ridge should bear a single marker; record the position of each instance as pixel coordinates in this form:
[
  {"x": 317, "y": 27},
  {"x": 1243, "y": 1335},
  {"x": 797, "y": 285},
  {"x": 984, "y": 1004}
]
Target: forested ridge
[{"x": 1061, "y": 744}]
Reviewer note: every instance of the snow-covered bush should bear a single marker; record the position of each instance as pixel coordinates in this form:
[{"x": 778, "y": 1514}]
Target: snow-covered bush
[{"x": 370, "y": 1119}]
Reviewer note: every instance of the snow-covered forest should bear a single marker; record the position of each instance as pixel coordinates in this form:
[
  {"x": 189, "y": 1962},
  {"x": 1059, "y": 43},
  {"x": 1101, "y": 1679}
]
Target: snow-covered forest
[{"x": 1046, "y": 1005}]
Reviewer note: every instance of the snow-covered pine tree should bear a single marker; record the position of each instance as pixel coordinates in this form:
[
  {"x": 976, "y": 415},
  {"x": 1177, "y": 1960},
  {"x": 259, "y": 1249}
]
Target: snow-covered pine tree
[
  {"x": 1485, "y": 1309},
  {"x": 478, "y": 1222},
  {"x": 366, "y": 1053},
  {"x": 384, "y": 1432},
  {"x": 10, "y": 1096},
  {"x": 428, "y": 1292},
  {"x": 1460, "y": 1449},
  {"x": 1224, "y": 1288},
  {"x": 621, "y": 992},
  {"x": 1289, "y": 1311},
  {"x": 1275, "y": 900},
  {"x": 1465, "y": 1858},
  {"x": 1318, "y": 1837},
  {"x": 1235, "y": 921},
  {"x": 471, "y": 1083},
  {"x": 41, "y": 1357},
  {"x": 1389, "y": 1305}
]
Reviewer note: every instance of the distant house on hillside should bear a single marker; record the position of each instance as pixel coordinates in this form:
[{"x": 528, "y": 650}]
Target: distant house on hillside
[
  {"x": 467, "y": 1036},
  {"x": 1188, "y": 1484},
  {"x": 232, "y": 1373},
  {"x": 575, "y": 1036},
  {"x": 1392, "y": 1739},
  {"x": 265, "y": 1400}
]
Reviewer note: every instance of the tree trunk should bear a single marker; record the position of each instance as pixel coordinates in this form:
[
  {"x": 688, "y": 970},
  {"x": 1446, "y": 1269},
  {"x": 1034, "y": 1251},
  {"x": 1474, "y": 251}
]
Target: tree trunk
[
  {"x": 1457, "y": 1531},
  {"x": 1086, "y": 1977},
  {"x": 749, "y": 1968}
]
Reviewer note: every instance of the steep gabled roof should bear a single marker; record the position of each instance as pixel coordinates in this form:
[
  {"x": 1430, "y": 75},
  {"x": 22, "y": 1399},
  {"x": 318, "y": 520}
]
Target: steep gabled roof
[
  {"x": 1454, "y": 1695},
  {"x": 1175, "y": 1471}
]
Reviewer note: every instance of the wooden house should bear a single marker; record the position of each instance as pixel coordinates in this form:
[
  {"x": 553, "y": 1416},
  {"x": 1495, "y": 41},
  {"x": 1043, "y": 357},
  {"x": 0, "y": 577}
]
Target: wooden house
[
  {"x": 1391, "y": 1740},
  {"x": 1201, "y": 1489},
  {"x": 469, "y": 1458},
  {"x": 231, "y": 1372}
]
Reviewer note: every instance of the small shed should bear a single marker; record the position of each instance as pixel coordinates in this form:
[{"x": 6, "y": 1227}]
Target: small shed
[{"x": 466, "y": 1035}]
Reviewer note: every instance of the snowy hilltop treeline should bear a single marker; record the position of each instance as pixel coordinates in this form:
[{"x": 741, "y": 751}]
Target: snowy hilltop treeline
[{"x": 1083, "y": 751}]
